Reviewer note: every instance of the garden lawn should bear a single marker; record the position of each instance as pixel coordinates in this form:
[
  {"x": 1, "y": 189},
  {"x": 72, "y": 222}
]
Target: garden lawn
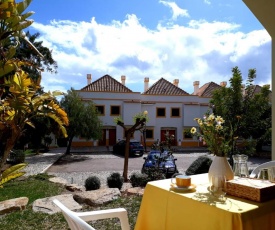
[{"x": 36, "y": 187}]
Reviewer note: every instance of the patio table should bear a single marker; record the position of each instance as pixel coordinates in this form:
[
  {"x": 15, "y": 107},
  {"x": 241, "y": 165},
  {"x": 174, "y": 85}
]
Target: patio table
[{"x": 167, "y": 209}]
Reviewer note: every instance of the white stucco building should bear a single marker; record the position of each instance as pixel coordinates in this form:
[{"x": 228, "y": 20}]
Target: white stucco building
[{"x": 170, "y": 109}]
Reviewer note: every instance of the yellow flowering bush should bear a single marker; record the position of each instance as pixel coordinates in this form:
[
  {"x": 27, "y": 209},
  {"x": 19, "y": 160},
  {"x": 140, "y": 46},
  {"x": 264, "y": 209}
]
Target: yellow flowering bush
[{"x": 214, "y": 134}]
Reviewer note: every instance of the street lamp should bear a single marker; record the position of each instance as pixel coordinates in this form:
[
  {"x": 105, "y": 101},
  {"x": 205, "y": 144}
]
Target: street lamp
[{"x": 145, "y": 112}]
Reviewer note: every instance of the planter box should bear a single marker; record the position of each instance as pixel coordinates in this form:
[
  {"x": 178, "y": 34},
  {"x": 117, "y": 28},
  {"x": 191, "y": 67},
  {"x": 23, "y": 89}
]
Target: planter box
[{"x": 251, "y": 189}]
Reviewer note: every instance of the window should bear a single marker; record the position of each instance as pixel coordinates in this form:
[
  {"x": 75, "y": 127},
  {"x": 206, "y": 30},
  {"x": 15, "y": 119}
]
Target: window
[
  {"x": 149, "y": 134},
  {"x": 161, "y": 112},
  {"x": 100, "y": 109},
  {"x": 175, "y": 112},
  {"x": 115, "y": 110}
]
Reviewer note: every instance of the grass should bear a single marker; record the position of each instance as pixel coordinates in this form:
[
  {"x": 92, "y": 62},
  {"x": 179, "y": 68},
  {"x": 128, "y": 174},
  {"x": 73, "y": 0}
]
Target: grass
[{"x": 36, "y": 187}]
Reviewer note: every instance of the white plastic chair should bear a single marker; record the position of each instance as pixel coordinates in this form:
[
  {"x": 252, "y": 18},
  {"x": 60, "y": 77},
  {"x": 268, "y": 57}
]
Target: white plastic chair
[
  {"x": 76, "y": 220},
  {"x": 256, "y": 171}
]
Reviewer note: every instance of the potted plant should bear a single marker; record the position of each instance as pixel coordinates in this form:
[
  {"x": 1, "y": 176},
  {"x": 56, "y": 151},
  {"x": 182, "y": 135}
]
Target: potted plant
[{"x": 218, "y": 140}]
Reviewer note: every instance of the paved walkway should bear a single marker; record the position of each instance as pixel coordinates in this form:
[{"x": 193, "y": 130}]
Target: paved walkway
[{"x": 40, "y": 163}]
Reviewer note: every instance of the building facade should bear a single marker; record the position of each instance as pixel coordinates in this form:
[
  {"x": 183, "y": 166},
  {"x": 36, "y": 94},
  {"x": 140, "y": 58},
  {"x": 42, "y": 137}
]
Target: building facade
[{"x": 170, "y": 109}]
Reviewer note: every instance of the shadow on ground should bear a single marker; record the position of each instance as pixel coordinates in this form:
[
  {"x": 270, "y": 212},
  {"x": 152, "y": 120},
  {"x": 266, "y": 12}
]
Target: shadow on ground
[{"x": 68, "y": 159}]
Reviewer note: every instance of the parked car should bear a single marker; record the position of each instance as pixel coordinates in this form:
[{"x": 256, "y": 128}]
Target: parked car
[
  {"x": 168, "y": 165},
  {"x": 164, "y": 161},
  {"x": 135, "y": 149},
  {"x": 151, "y": 160}
]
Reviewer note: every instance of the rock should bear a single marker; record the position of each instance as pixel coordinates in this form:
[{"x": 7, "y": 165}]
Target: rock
[
  {"x": 46, "y": 205},
  {"x": 58, "y": 180},
  {"x": 125, "y": 187},
  {"x": 97, "y": 197},
  {"x": 135, "y": 191},
  {"x": 11, "y": 205},
  {"x": 74, "y": 188}
]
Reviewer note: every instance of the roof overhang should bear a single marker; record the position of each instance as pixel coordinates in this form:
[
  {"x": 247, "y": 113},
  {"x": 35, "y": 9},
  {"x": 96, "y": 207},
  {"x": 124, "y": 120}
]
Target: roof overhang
[{"x": 264, "y": 11}]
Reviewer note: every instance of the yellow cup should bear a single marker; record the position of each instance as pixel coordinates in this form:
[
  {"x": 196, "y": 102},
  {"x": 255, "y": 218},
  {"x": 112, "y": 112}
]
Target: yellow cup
[{"x": 181, "y": 181}]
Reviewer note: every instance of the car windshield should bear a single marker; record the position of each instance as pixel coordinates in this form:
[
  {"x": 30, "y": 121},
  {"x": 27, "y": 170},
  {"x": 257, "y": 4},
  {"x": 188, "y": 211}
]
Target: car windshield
[
  {"x": 153, "y": 156},
  {"x": 168, "y": 158},
  {"x": 135, "y": 143}
]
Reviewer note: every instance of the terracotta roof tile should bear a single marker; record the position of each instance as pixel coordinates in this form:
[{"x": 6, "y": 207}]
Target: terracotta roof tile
[
  {"x": 107, "y": 84},
  {"x": 207, "y": 89},
  {"x": 164, "y": 87}
]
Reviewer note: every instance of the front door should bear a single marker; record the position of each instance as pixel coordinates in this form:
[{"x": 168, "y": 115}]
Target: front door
[
  {"x": 112, "y": 136},
  {"x": 171, "y": 132}
]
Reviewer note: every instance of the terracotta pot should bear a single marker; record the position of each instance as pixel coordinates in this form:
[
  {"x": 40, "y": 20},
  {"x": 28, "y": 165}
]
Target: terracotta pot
[{"x": 221, "y": 166}]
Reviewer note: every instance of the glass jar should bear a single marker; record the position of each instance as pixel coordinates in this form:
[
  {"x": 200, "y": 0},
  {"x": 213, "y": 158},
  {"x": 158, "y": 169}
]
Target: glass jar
[{"x": 240, "y": 167}]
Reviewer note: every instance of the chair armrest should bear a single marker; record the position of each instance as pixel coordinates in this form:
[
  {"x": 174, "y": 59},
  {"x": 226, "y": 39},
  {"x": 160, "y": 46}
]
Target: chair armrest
[{"x": 120, "y": 213}]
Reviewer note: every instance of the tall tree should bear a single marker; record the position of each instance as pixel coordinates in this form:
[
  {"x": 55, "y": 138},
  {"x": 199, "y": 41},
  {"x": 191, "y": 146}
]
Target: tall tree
[
  {"x": 249, "y": 114},
  {"x": 83, "y": 116},
  {"x": 20, "y": 103},
  {"x": 38, "y": 63},
  {"x": 140, "y": 120}
]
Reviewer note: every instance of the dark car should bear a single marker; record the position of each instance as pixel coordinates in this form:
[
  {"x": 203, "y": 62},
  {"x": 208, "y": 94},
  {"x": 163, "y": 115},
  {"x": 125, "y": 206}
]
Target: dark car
[
  {"x": 135, "y": 149},
  {"x": 168, "y": 165},
  {"x": 151, "y": 160},
  {"x": 163, "y": 161}
]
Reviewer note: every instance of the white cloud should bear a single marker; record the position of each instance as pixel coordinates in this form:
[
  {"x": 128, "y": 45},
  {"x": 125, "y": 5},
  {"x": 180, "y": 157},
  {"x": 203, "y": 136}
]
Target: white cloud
[
  {"x": 201, "y": 51},
  {"x": 176, "y": 10}
]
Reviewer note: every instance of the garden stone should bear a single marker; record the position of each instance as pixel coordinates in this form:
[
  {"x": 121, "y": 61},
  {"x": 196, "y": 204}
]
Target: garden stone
[
  {"x": 15, "y": 204},
  {"x": 58, "y": 180},
  {"x": 135, "y": 191},
  {"x": 97, "y": 197},
  {"x": 125, "y": 186},
  {"x": 46, "y": 205},
  {"x": 74, "y": 188}
]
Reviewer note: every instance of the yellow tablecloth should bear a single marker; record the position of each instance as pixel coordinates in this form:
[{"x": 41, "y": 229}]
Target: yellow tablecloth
[{"x": 163, "y": 208}]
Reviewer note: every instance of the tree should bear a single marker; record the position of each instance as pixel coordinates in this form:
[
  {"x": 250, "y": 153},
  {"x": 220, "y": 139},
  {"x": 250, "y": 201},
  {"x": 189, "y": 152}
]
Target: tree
[
  {"x": 140, "y": 120},
  {"x": 39, "y": 63},
  {"x": 20, "y": 103},
  {"x": 83, "y": 116},
  {"x": 245, "y": 112}
]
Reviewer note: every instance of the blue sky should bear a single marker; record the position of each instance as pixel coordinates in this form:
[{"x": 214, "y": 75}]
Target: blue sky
[{"x": 189, "y": 40}]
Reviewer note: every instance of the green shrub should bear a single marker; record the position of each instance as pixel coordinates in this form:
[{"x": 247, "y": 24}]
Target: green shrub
[
  {"x": 115, "y": 180},
  {"x": 92, "y": 183},
  {"x": 139, "y": 179},
  {"x": 16, "y": 156},
  {"x": 200, "y": 165},
  {"x": 155, "y": 174}
]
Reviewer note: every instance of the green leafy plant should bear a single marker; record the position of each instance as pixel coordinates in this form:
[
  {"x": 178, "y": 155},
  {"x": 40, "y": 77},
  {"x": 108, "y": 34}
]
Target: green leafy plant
[
  {"x": 92, "y": 183},
  {"x": 155, "y": 173},
  {"x": 115, "y": 180},
  {"x": 200, "y": 165},
  {"x": 217, "y": 137},
  {"x": 16, "y": 157},
  {"x": 139, "y": 179},
  {"x": 12, "y": 173}
]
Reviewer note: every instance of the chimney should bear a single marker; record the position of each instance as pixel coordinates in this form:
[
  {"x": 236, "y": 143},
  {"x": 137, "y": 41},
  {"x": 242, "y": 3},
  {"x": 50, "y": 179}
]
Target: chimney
[
  {"x": 176, "y": 82},
  {"x": 196, "y": 85},
  {"x": 223, "y": 83},
  {"x": 123, "y": 78},
  {"x": 89, "y": 78},
  {"x": 146, "y": 83}
]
